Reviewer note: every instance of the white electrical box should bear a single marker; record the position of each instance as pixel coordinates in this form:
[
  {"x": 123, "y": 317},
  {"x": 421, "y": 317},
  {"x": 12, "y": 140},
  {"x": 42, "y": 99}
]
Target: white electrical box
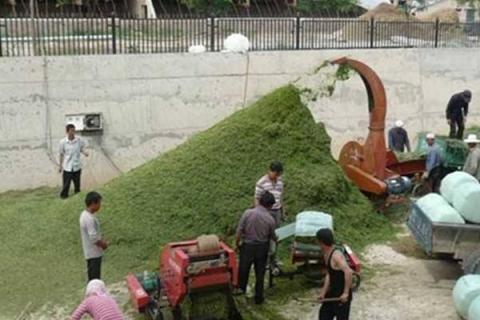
[{"x": 85, "y": 121}]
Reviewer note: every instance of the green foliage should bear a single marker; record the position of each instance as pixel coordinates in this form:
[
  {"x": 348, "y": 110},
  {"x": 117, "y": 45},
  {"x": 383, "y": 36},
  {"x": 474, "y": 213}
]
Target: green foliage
[
  {"x": 208, "y": 7},
  {"x": 306, "y": 6},
  {"x": 473, "y": 130},
  {"x": 470, "y": 3},
  {"x": 202, "y": 186},
  {"x": 330, "y": 74},
  {"x": 344, "y": 72}
]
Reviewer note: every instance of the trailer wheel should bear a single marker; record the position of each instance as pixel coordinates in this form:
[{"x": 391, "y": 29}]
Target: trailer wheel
[{"x": 471, "y": 265}]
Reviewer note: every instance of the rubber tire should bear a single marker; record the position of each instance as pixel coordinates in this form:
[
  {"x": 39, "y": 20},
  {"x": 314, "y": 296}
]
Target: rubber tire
[
  {"x": 177, "y": 313},
  {"x": 356, "y": 281},
  {"x": 421, "y": 189},
  {"x": 159, "y": 315},
  {"x": 471, "y": 265}
]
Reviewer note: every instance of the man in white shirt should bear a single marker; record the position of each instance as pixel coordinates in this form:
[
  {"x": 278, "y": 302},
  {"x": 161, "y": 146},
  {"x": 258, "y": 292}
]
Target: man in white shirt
[
  {"x": 93, "y": 243},
  {"x": 70, "y": 165}
]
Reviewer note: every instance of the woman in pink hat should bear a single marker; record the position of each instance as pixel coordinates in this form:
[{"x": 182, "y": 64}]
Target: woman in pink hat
[{"x": 98, "y": 303}]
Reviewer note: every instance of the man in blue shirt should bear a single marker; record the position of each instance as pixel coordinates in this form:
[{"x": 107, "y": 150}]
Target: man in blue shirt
[{"x": 433, "y": 163}]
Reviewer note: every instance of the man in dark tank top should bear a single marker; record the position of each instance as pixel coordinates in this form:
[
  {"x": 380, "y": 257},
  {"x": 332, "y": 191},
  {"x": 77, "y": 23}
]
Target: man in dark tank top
[{"x": 338, "y": 281}]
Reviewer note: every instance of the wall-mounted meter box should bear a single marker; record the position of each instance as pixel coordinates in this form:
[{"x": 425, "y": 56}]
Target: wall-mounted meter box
[{"x": 85, "y": 121}]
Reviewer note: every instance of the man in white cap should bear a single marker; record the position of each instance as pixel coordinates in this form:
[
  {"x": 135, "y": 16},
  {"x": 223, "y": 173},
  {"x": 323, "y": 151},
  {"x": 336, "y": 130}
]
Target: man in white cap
[
  {"x": 433, "y": 163},
  {"x": 398, "y": 138},
  {"x": 472, "y": 163}
]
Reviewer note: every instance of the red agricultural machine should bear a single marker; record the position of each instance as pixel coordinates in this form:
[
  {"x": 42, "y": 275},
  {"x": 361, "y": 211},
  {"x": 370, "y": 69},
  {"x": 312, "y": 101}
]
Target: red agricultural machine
[
  {"x": 308, "y": 259},
  {"x": 373, "y": 168},
  {"x": 188, "y": 273}
]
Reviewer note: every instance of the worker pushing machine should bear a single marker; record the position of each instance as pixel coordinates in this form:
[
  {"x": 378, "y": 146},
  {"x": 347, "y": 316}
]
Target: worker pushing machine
[
  {"x": 336, "y": 293},
  {"x": 255, "y": 230}
]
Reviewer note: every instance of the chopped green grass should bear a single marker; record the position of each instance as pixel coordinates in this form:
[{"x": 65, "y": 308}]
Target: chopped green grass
[{"x": 202, "y": 186}]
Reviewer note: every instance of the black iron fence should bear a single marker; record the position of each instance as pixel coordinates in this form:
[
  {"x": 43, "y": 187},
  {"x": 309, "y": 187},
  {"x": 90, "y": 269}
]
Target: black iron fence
[{"x": 80, "y": 36}]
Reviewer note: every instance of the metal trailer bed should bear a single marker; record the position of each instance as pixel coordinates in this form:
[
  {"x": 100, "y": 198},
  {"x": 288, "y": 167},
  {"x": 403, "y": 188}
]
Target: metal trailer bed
[{"x": 459, "y": 241}]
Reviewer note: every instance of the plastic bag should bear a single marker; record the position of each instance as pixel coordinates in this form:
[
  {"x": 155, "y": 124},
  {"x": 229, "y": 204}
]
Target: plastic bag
[
  {"x": 236, "y": 43},
  {"x": 449, "y": 185},
  {"x": 467, "y": 201},
  {"x": 309, "y": 222},
  {"x": 438, "y": 209},
  {"x": 465, "y": 291}
]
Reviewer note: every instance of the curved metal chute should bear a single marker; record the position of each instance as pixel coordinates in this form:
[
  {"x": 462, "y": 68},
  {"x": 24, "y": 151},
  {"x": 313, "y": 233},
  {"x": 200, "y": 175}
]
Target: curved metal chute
[{"x": 368, "y": 170}]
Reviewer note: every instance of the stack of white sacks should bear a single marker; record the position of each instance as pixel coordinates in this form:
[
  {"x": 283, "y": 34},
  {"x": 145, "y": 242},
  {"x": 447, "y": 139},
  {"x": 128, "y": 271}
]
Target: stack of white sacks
[{"x": 458, "y": 201}]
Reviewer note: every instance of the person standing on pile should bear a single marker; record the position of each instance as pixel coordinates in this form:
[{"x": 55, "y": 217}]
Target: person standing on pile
[
  {"x": 338, "y": 281},
  {"x": 70, "y": 165},
  {"x": 273, "y": 183},
  {"x": 433, "y": 163},
  {"x": 456, "y": 113},
  {"x": 398, "y": 138},
  {"x": 93, "y": 243},
  {"x": 472, "y": 163},
  {"x": 255, "y": 230}
]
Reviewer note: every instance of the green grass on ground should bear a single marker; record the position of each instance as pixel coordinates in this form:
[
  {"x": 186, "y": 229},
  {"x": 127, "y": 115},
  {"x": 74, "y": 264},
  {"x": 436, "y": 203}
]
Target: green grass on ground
[{"x": 203, "y": 186}]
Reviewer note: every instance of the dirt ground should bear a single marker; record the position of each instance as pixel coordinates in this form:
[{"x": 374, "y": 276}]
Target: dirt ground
[{"x": 405, "y": 286}]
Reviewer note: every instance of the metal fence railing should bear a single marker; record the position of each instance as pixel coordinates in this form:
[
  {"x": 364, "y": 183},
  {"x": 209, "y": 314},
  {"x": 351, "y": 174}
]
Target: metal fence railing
[
  {"x": 81, "y": 36},
  {"x": 318, "y": 33}
]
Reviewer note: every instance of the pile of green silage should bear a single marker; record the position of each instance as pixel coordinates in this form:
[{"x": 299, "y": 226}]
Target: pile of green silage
[{"x": 202, "y": 186}]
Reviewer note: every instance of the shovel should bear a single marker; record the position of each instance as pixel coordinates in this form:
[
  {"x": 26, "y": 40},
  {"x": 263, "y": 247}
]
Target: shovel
[{"x": 318, "y": 301}]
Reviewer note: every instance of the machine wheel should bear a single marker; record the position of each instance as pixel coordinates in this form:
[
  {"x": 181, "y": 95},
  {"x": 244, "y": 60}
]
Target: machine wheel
[
  {"x": 356, "y": 280},
  {"x": 421, "y": 188},
  {"x": 313, "y": 272},
  {"x": 159, "y": 315},
  {"x": 177, "y": 313},
  {"x": 471, "y": 265},
  {"x": 233, "y": 313}
]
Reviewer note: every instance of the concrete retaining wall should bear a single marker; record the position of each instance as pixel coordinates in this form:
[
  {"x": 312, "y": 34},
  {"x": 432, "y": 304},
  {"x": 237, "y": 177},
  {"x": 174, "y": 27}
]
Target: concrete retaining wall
[{"x": 151, "y": 103}]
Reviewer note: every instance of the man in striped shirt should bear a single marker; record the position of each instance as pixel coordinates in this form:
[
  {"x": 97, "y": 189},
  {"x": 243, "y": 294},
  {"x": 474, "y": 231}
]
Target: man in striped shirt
[{"x": 273, "y": 183}]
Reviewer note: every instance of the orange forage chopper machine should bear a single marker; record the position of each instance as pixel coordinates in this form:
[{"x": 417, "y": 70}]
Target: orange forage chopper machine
[{"x": 373, "y": 168}]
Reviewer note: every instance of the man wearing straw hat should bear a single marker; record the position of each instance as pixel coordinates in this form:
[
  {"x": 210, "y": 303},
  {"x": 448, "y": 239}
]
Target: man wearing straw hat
[
  {"x": 398, "y": 138},
  {"x": 472, "y": 163}
]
